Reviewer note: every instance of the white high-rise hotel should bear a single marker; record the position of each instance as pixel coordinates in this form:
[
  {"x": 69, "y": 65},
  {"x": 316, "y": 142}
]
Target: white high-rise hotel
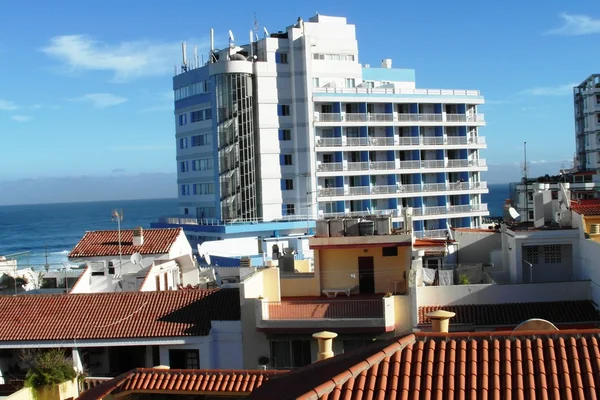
[{"x": 293, "y": 125}]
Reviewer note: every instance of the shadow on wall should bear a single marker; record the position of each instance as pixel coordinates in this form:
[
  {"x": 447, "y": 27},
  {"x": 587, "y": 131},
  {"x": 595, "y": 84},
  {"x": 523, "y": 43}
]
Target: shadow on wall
[{"x": 476, "y": 247}]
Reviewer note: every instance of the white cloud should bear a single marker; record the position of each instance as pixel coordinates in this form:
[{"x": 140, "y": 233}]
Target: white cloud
[
  {"x": 21, "y": 118},
  {"x": 101, "y": 100},
  {"x": 576, "y": 25},
  {"x": 6, "y": 105},
  {"x": 560, "y": 90},
  {"x": 126, "y": 60}
]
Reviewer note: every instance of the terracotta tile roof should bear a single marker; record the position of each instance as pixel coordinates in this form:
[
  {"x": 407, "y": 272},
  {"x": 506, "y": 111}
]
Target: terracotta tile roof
[
  {"x": 590, "y": 207},
  {"x": 508, "y": 365},
  {"x": 106, "y": 243},
  {"x": 115, "y": 315},
  {"x": 559, "y": 312},
  {"x": 430, "y": 243},
  {"x": 182, "y": 381}
]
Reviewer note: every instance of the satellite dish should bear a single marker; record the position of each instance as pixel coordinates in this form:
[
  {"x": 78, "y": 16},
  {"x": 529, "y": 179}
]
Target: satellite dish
[
  {"x": 136, "y": 258},
  {"x": 266, "y": 31},
  {"x": 204, "y": 254}
]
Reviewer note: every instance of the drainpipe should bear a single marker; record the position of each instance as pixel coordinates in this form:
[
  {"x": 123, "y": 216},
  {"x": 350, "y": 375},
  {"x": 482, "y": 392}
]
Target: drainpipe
[
  {"x": 325, "y": 340},
  {"x": 440, "y": 320}
]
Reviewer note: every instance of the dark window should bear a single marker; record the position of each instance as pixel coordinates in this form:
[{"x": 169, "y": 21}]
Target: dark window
[
  {"x": 288, "y": 184},
  {"x": 111, "y": 268},
  {"x": 184, "y": 359},
  {"x": 285, "y": 134},
  {"x": 288, "y": 209},
  {"x": 284, "y": 110},
  {"x": 290, "y": 353},
  {"x": 197, "y": 116},
  {"x": 390, "y": 251}
]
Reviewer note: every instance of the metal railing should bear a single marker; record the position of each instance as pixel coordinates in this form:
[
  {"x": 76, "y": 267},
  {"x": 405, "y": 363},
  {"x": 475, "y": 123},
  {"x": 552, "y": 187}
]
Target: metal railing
[
  {"x": 185, "y": 220},
  {"x": 417, "y": 212},
  {"x": 398, "y": 141},
  {"x": 325, "y": 309},
  {"x": 398, "y": 165},
  {"x": 426, "y": 92},
  {"x": 360, "y": 117},
  {"x": 399, "y": 189}
]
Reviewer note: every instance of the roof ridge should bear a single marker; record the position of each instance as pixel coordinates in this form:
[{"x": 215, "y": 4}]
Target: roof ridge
[
  {"x": 329, "y": 385},
  {"x": 452, "y": 335}
]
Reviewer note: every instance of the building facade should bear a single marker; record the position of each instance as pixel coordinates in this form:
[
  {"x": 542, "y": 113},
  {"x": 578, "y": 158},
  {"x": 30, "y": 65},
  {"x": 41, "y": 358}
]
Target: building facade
[
  {"x": 586, "y": 98},
  {"x": 293, "y": 127}
]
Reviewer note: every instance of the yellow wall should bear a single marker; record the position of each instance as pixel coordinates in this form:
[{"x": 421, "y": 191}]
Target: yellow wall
[
  {"x": 56, "y": 392},
  {"x": 336, "y": 267},
  {"x": 589, "y": 220},
  {"x": 302, "y": 265},
  {"x": 300, "y": 285},
  {"x": 403, "y": 321}
]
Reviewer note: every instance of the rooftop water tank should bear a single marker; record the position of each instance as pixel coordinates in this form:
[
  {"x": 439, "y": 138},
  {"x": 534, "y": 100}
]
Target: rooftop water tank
[
  {"x": 352, "y": 228},
  {"x": 366, "y": 228}
]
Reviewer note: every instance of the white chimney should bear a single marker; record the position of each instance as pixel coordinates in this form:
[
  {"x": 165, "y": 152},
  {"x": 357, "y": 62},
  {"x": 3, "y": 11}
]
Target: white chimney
[
  {"x": 138, "y": 236},
  {"x": 386, "y": 63},
  {"x": 325, "y": 340}
]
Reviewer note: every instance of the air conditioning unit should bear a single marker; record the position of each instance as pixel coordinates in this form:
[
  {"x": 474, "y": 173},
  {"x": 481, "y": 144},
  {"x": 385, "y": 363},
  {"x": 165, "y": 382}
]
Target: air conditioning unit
[{"x": 595, "y": 229}]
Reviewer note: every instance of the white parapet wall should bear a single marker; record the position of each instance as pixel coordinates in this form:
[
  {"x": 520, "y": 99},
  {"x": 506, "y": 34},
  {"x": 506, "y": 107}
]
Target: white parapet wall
[{"x": 500, "y": 294}]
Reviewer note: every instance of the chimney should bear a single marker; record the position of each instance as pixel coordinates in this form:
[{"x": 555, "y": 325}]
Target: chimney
[
  {"x": 440, "y": 320},
  {"x": 138, "y": 236},
  {"x": 386, "y": 63},
  {"x": 325, "y": 340}
]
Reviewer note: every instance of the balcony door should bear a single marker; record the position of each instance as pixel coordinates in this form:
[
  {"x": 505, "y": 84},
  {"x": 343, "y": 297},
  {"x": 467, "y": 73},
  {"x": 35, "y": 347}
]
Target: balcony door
[{"x": 366, "y": 275}]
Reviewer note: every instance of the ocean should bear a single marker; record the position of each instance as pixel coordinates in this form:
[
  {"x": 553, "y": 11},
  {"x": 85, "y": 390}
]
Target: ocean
[{"x": 54, "y": 229}]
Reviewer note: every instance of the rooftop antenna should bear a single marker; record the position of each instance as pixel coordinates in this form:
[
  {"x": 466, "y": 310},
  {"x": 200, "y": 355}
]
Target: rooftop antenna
[
  {"x": 526, "y": 183},
  {"x": 184, "y": 55},
  {"x": 117, "y": 215},
  {"x": 211, "y": 54},
  {"x": 255, "y": 26},
  {"x": 47, "y": 265},
  {"x": 266, "y": 31},
  {"x": 231, "y": 39},
  {"x": 195, "y": 56}
]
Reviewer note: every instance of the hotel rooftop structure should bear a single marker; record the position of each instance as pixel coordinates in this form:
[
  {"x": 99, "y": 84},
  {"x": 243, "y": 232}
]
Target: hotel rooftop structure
[{"x": 293, "y": 126}]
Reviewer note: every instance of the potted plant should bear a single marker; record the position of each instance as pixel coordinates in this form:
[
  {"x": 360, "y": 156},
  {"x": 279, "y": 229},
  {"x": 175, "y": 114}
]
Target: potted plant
[
  {"x": 263, "y": 361},
  {"x": 48, "y": 372}
]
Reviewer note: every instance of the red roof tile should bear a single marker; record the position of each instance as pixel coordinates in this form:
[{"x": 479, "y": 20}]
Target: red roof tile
[
  {"x": 511, "y": 365},
  {"x": 106, "y": 243},
  {"x": 583, "y": 207},
  {"x": 182, "y": 381},
  {"x": 115, "y": 315},
  {"x": 559, "y": 312},
  {"x": 430, "y": 243}
]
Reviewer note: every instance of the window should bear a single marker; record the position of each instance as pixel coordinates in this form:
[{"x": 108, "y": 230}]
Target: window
[
  {"x": 202, "y": 140},
  {"x": 553, "y": 254},
  {"x": 531, "y": 216},
  {"x": 184, "y": 359},
  {"x": 182, "y": 119},
  {"x": 183, "y": 166},
  {"x": 284, "y": 110},
  {"x": 281, "y": 58},
  {"x": 203, "y": 188},
  {"x": 183, "y": 143},
  {"x": 327, "y": 158},
  {"x": 185, "y": 190},
  {"x": 202, "y": 164},
  {"x": 530, "y": 254},
  {"x": 390, "y": 251},
  {"x": 192, "y": 90},
  {"x": 288, "y": 209},
  {"x": 598, "y": 99},
  {"x": 350, "y": 82},
  {"x": 316, "y": 82},
  {"x": 290, "y": 353},
  {"x": 370, "y": 85},
  {"x": 208, "y": 114},
  {"x": 196, "y": 116},
  {"x": 111, "y": 268},
  {"x": 285, "y": 159},
  {"x": 287, "y": 184},
  {"x": 285, "y": 134}
]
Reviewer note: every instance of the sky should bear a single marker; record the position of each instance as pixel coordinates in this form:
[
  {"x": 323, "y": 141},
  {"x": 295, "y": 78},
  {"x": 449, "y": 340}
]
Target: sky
[{"x": 85, "y": 87}]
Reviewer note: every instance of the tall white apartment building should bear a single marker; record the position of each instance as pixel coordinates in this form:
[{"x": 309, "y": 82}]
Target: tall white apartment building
[
  {"x": 291, "y": 126},
  {"x": 586, "y": 97}
]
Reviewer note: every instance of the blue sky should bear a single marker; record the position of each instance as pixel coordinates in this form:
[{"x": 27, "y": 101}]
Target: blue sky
[{"x": 85, "y": 87}]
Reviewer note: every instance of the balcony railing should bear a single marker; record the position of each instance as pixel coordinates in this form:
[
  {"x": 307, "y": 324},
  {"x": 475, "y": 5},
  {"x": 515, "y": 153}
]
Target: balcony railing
[
  {"x": 400, "y": 189},
  {"x": 325, "y": 309},
  {"x": 425, "y": 92},
  {"x": 399, "y": 141},
  {"x": 396, "y": 165},
  {"x": 396, "y": 117},
  {"x": 431, "y": 234},
  {"x": 417, "y": 212}
]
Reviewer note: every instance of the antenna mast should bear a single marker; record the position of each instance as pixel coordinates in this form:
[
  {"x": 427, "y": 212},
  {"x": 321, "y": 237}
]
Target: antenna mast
[{"x": 526, "y": 183}]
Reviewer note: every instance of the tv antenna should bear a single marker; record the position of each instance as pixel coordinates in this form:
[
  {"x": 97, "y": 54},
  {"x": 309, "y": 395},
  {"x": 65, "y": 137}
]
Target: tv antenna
[{"x": 117, "y": 215}]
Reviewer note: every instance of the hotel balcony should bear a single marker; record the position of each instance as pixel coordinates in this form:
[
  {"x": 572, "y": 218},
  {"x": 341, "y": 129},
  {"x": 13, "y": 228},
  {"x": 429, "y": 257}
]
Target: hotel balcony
[
  {"x": 399, "y": 143},
  {"x": 392, "y": 191},
  {"x": 398, "y": 167},
  {"x": 371, "y": 313},
  {"x": 421, "y": 213},
  {"x": 396, "y": 119}
]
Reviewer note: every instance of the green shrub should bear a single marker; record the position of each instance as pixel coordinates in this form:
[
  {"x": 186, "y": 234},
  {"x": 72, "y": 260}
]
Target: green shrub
[
  {"x": 463, "y": 280},
  {"x": 49, "y": 367}
]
